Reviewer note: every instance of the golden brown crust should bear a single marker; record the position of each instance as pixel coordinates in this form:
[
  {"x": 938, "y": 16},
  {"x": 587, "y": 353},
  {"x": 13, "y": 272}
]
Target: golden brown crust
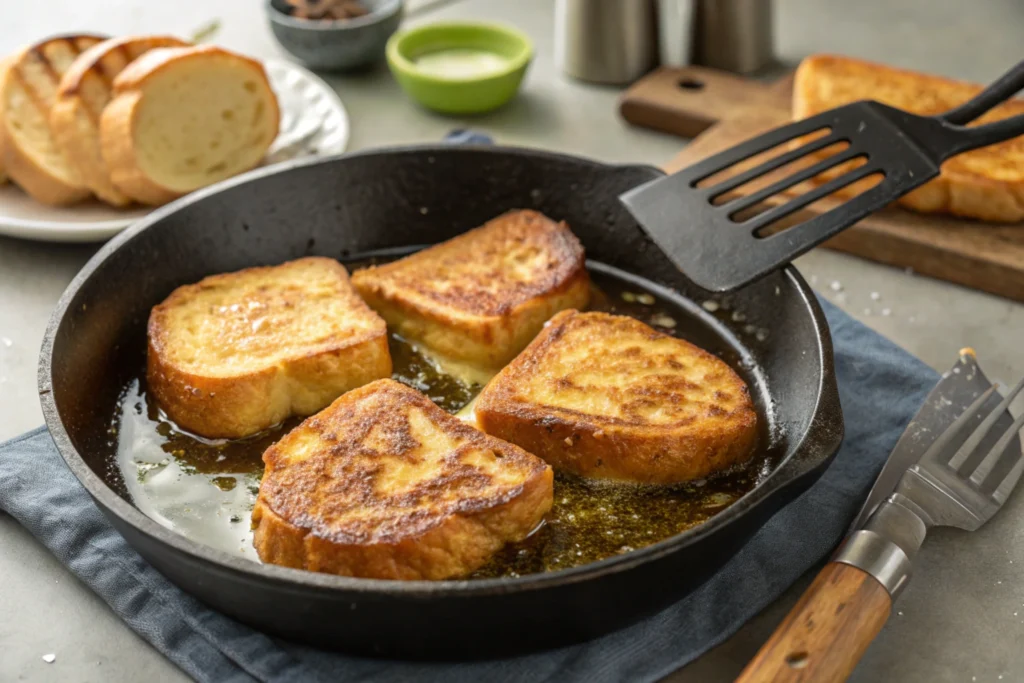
[
  {"x": 5, "y": 64},
  {"x": 608, "y": 397},
  {"x": 384, "y": 484},
  {"x": 84, "y": 91},
  {"x": 987, "y": 183},
  {"x": 260, "y": 371},
  {"x": 27, "y": 89},
  {"x": 480, "y": 297},
  {"x": 117, "y": 123}
]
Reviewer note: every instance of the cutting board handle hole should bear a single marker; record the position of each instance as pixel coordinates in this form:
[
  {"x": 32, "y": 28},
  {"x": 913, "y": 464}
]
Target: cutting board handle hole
[{"x": 691, "y": 84}]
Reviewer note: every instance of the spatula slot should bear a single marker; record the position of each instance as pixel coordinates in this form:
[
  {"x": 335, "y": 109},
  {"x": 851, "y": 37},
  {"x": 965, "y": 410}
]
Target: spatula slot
[
  {"x": 775, "y": 218},
  {"x": 728, "y": 177},
  {"x": 786, "y": 176},
  {"x": 799, "y": 183}
]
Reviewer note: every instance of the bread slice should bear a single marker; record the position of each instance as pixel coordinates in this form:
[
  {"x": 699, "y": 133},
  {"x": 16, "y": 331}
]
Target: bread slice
[
  {"x": 987, "y": 183},
  {"x": 84, "y": 90},
  {"x": 236, "y": 353},
  {"x": 607, "y": 397},
  {"x": 28, "y": 88},
  {"x": 477, "y": 300},
  {"x": 5, "y": 63},
  {"x": 184, "y": 118},
  {"x": 384, "y": 484}
]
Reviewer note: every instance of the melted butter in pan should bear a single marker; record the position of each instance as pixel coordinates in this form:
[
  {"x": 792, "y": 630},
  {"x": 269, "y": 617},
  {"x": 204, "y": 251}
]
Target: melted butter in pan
[{"x": 205, "y": 489}]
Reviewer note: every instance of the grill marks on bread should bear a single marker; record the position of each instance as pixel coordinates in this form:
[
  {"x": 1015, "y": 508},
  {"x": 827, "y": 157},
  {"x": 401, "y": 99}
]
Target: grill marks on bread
[{"x": 28, "y": 89}]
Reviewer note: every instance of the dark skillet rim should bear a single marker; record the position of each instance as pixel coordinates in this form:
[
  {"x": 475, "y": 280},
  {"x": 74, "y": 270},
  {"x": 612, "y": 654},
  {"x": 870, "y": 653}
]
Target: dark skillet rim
[{"x": 823, "y": 435}]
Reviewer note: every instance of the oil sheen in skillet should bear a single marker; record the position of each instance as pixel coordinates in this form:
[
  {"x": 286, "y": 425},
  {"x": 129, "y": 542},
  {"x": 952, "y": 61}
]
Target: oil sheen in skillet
[{"x": 205, "y": 489}]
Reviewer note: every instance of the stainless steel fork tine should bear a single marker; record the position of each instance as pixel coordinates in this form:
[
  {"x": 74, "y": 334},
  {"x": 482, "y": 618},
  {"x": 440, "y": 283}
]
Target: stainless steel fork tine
[
  {"x": 944, "y": 439},
  {"x": 981, "y": 431},
  {"x": 988, "y": 475}
]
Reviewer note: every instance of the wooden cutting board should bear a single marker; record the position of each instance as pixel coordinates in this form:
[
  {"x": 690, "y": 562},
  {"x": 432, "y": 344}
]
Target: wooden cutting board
[{"x": 720, "y": 110}]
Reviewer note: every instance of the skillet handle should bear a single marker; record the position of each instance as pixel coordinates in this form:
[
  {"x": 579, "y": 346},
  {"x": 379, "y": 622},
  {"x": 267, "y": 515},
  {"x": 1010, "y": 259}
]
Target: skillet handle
[{"x": 826, "y": 633}]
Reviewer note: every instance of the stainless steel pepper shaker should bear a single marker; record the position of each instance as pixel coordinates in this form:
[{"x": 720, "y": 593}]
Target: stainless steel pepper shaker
[
  {"x": 605, "y": 41},
  {"x": 733, "y": 35}
]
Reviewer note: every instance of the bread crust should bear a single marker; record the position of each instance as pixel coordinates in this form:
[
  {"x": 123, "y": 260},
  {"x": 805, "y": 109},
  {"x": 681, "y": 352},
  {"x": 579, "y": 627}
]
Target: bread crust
[
  {"x": 238, "y": 404},
  {"x": 84, "y": 91},
  {"x": 365, "y": 489},
  {"x": 5, "y": 64},
  {"x": 22, "y": 89},
  {"x": 985, "y": 184},
  {"x": 117, "y": 124},
  {"x": 607, "y": 397},
  {"x": 457, "y": 299}
]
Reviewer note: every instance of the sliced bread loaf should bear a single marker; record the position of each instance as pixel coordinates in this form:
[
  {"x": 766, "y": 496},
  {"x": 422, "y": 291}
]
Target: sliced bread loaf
[
  {"x": 84, "y": 90},
  {"x": 28, "y": 88},
  {"x": 183, "y": 118}
]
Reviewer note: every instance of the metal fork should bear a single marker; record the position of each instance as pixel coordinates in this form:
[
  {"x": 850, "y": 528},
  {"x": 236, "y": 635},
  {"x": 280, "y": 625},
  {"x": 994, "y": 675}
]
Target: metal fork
[
  {"x": 961, "y": 480},
  {"x": 974, "y": 480}
]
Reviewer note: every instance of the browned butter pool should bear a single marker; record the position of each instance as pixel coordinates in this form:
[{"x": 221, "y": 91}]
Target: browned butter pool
[{"x": 205, "y": 489}]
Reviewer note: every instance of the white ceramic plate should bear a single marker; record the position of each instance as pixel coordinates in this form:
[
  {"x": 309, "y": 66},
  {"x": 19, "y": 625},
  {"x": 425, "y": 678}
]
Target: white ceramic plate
[{"x": 313, "y": 122}]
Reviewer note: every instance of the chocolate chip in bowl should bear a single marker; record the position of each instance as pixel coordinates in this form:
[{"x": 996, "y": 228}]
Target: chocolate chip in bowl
[
  {"x": 327, "y": 10},
  {"x": 334, "y": 35}
]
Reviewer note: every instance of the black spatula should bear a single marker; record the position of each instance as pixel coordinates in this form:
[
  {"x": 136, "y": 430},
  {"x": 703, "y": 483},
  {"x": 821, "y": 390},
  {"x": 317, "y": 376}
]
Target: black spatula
[{"x": 720, "y": 249}]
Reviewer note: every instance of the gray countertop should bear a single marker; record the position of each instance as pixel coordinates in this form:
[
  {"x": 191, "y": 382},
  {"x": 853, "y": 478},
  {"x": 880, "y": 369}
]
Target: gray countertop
[{"x": 962, "y": 617}]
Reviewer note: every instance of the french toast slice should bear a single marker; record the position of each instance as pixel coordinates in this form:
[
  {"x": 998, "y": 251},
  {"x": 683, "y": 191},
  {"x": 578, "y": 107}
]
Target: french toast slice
[
  {"x": 239, "y": 352},
  {"x": 182, "y": 118},
  {"x": 985, "y": 183},
  {"x": 84, "y": 91},
  {"x": 28, "y": 88},
  {"x": 607, "y": 397},
  {"x": 478, "y": 299},
  {"x": 384, "y": 484}
]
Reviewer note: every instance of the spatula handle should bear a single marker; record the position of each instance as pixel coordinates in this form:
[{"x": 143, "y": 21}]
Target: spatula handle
[
  {"x": 1008, "y": 85},
  {"x": 989, "y": 134},
  {"x": 826, "y": 633},
  {"x": 965, "y": 139}
]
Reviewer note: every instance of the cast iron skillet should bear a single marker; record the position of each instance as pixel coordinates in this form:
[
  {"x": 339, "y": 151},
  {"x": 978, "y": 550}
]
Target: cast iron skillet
[{"x": 343, "y": 206}]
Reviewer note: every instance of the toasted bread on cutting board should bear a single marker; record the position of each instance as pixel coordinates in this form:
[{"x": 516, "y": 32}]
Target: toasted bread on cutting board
[
  {"x": 478, "y": 299},
  {"x": 608, "y": 397},
  {"x": 184, "y": 118},
  {"x": 84, "y": 90},
  {"x": 28, "y": 88},
  {"x": 239, "y": 352},
  {"x": 986, "y": 183},
  {"x": 384, "y": 484},
  {"x": 4, "y": 64}
]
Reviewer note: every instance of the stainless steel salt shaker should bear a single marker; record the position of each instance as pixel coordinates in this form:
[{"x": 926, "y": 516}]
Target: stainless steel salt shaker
[{"x": 605, "y": 41}]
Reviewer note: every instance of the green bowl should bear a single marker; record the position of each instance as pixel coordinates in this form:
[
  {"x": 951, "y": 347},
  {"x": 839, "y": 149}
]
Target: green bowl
[{"x": 455, "y": 91}]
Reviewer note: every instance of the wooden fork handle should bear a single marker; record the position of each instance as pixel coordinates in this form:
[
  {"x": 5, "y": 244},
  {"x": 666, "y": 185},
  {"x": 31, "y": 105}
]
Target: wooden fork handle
[{"x": 826, "y": 633}]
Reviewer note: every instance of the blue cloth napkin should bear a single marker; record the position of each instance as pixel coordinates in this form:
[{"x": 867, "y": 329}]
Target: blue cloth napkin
[{"x": 880, "y": 385}]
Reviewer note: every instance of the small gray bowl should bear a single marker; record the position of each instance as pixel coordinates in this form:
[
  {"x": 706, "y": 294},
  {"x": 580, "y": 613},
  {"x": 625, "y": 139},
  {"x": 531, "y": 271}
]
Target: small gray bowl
[{"x": 336, "y": 45}]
